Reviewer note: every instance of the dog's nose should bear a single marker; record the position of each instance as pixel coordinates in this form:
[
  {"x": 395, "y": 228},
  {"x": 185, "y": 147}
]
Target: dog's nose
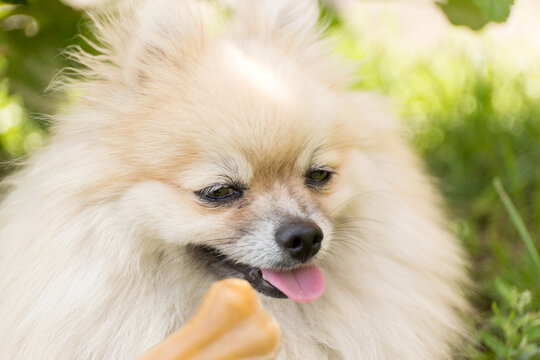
[{"x": 301, "y": 239}]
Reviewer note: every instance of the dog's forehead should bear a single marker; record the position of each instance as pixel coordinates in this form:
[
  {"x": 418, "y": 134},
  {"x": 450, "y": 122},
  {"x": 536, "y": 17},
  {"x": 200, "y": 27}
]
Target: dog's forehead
[
  {"x": 266, "y": 108},
  {"x": 247, "y": 161},
  {"x": 252, "y": 117},
  {"x": 263, "y": 75}
]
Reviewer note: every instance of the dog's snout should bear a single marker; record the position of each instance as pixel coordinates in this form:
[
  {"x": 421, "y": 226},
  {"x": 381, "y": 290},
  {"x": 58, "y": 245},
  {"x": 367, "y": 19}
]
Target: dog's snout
[{"x": 301, "y": 239}]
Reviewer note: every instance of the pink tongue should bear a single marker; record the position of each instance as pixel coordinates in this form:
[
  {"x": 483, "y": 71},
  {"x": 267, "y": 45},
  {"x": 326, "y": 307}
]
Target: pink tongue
[{"x": 301, "y": 285}]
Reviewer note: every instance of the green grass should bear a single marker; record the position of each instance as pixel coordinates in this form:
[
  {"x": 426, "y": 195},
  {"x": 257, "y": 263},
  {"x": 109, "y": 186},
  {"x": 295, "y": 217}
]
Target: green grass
[
  {"x": 475, "y": 121},
  {"x": 518, "y": 328}
]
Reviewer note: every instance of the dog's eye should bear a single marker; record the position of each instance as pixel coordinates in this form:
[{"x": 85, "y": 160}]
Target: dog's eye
[
  {"x": 219, "y": 193},
  {"x": 222, "y": 192},
  {"x": 318, "y": 177}
]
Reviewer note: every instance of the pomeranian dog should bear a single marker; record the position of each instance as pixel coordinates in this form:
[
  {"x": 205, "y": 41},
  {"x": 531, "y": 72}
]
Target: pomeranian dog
[{"x": 201, "y": 152}]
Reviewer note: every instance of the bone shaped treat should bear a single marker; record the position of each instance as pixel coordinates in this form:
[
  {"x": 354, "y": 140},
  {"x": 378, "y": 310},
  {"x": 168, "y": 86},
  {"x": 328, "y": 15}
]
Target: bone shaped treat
[{"x": 230, "y": 324}]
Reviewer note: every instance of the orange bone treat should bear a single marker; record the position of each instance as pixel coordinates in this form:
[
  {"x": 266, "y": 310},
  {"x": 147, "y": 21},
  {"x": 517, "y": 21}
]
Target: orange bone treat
[{"x": 230, "y": 324}]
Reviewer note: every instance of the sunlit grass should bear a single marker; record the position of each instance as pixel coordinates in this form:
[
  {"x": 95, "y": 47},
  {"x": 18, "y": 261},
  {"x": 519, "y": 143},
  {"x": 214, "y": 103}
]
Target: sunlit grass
[{"x": 474, "y": 116}]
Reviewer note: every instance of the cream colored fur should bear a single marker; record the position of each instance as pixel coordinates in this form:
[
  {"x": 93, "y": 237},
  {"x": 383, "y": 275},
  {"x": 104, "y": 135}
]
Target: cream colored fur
[{"x": 93, "y": 226}]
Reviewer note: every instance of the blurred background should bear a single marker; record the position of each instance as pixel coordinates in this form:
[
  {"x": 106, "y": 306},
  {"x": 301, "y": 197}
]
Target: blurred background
[{"x": 464, "y": 75}]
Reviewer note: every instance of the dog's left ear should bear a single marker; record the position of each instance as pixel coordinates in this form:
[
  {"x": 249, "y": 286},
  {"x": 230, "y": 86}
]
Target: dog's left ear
[{"x": 151, "y": 38}]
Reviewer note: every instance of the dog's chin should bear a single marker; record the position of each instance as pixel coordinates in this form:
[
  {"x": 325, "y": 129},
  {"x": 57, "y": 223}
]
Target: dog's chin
[{"x": 224, "y": 267}]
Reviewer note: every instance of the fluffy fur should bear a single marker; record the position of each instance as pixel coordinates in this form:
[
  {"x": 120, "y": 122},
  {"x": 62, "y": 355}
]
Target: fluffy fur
[{"x": 94, "y": 228}]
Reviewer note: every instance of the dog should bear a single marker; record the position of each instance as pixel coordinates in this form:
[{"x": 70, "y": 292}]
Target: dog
[{"x": 198, "y": 152}]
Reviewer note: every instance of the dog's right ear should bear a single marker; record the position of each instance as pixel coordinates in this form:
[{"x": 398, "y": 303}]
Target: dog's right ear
[
  {"x": 294, "y": 28},
  {"x": 285, "y": 23},
  {"x": 148, "y": 39}
]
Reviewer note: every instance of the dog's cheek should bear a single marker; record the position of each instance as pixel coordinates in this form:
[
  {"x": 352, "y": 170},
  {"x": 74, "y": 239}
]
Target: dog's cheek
[
  {"x": 155, "y": 210},
  {"x": 352, "y": 185}
]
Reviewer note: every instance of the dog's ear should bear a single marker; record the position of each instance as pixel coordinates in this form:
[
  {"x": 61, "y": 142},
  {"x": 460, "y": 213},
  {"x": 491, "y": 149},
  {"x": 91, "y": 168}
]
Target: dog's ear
[
  {"x": 169, "y": 32},
  {"x": 293, "y": 28},
  {"x": 286, "y": 23},
  {"x": 152, "y": 38}
]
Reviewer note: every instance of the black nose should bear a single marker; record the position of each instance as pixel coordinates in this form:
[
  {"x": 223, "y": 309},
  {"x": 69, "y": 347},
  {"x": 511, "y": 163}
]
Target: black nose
[{"x": 301, "y": 239}]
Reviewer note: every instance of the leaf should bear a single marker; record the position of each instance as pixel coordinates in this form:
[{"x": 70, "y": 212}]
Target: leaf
[
  {"x": 475, "y": 13},
  {"x": 518, "y": 222},
  {"x": 6, "y": 9},
  {"x": 494, "y": 344},
  {"x": 495, "y": 10},
  {"x": 534, "y": 334},
  {"x": 504, "y": 290},
  {"x": 464, "y": 12}
]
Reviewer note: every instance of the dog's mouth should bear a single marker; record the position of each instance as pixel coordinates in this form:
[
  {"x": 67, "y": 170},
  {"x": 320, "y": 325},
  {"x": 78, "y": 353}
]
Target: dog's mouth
[{"x": 302, "y": 284}]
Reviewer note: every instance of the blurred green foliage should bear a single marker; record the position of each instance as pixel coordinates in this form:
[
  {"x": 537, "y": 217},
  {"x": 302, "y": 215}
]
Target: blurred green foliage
[
  {"x": 33, "y": 34},
  {"x": 511, "y": 333},
  {"x": 473, "y": 118}
]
